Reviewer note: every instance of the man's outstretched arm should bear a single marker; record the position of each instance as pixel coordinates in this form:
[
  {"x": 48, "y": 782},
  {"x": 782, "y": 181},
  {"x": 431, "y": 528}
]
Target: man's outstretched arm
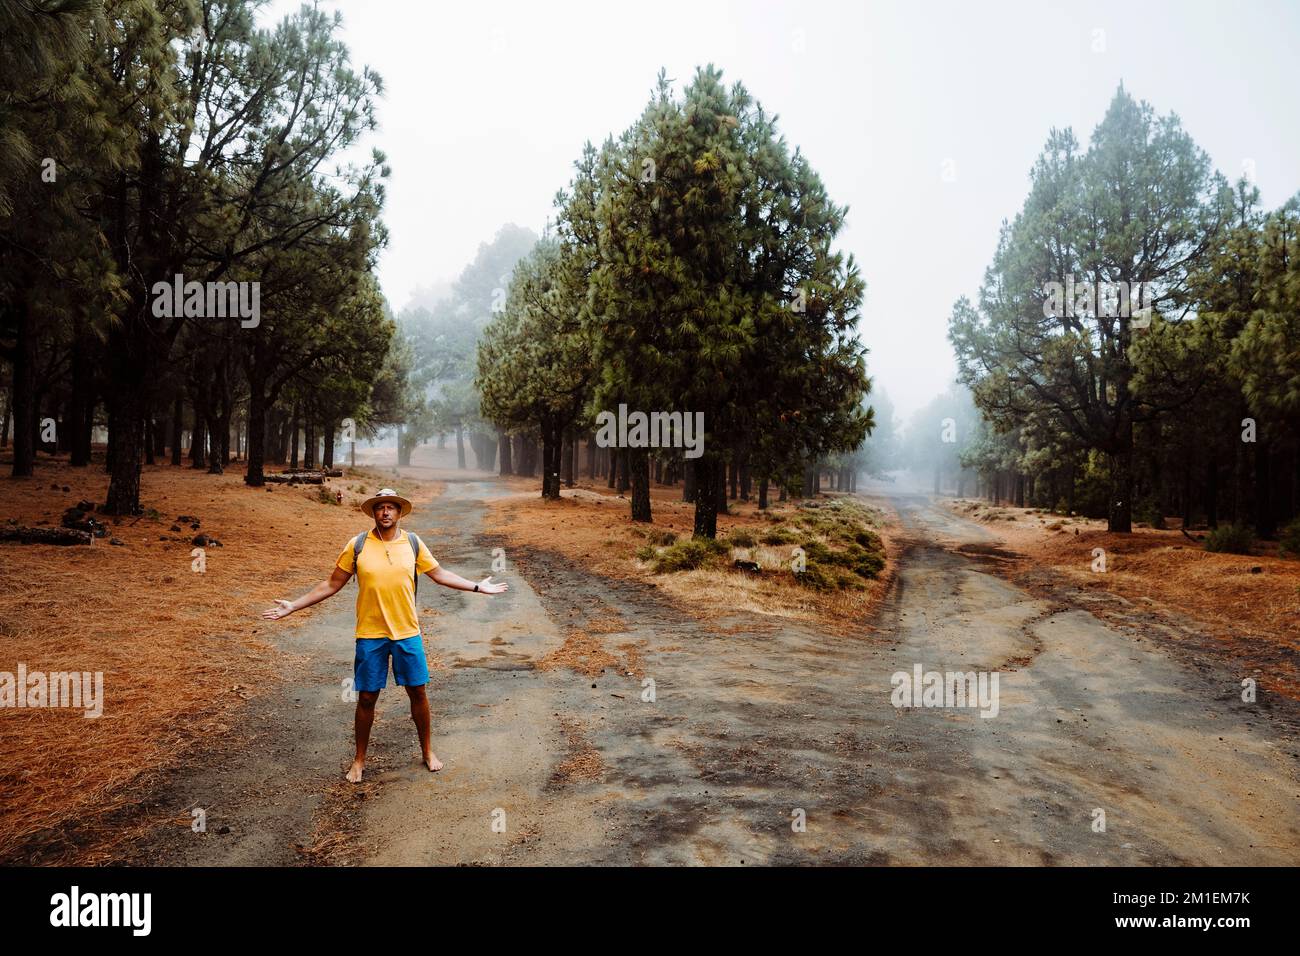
[
  {"x": 317, "y": 594},
  {"x": 450, "y": 579}
]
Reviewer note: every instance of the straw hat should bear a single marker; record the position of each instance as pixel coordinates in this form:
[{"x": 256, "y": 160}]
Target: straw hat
[{"x": 386, "y": 495}]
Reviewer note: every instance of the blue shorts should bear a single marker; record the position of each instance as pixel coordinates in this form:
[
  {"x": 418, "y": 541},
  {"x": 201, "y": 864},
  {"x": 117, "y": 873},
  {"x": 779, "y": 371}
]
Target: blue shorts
[{"x": 370, "y": 669}]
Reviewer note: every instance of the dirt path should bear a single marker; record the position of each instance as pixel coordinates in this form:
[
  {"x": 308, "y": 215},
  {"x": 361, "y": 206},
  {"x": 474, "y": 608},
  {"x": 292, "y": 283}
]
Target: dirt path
[{"x": 753, "y": 725}]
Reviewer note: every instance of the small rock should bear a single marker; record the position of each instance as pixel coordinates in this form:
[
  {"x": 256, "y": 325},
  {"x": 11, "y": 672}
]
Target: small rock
[
  {"x": 174, "y": 527},
  {"x": 1257, "y": 570},
  {"x": 117, "y": 541},
  {"x": 66, "y": 489},
  {"x": 223, "y": 829}
]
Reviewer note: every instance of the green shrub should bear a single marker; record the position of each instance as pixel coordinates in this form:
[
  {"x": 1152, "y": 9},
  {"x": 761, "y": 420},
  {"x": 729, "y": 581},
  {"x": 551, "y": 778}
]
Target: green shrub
[
  {"x": 848, "y": 582},
  {"x": 690, "y": 554},
  {"x": 1230, "y": 539},
  {"x": 661, "y": 538},
  {"x": 817, "y": 577},
  {"x": 860, "y": 561},
  {"x": 325, "y": 496},
  {"x": 741, "y": 538},
  {"x": 1149, "y": 511},
  {"x": 647, "y": 552},
  {"x": 1289, "y": 541},
  {"x": 868, "y": 539},
  {"x": 778, "y": 536}
]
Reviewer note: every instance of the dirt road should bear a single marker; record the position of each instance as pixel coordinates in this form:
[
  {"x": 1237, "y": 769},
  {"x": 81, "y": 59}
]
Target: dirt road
[{"x": 753, "y": 728}]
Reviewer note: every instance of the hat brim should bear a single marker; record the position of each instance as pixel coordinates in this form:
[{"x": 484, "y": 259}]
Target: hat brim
[{"x": 369, "y": 505}]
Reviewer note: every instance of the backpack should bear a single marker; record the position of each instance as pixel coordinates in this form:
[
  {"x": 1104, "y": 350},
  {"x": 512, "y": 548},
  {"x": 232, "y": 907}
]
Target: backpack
[{"x": 360, "y": 542}]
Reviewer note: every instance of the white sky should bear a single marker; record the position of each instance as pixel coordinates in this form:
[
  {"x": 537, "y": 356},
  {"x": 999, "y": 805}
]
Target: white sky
[{"x": 488, "y": 103}]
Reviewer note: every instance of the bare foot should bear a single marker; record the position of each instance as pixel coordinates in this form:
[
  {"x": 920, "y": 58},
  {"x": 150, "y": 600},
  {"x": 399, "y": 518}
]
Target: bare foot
[
  {"x": 432, "y": 762},
  {"x": 354, "y": 772}
]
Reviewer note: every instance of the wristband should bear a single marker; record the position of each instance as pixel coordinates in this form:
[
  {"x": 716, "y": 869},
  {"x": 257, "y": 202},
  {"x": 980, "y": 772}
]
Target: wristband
[{"x": 476, "y": 587}]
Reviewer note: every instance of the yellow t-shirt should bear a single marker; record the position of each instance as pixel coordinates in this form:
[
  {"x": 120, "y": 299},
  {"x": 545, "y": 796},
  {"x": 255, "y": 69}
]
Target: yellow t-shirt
[{"x": 386, "y": 585}]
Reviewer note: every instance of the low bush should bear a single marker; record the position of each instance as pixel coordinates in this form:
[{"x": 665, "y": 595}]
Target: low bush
[
  {"x": 1230, "y": 539},
  {"x": 1289, "y": 540},
  {"x": 690, "y": 554},
  {"x": 817, "y": 577}
]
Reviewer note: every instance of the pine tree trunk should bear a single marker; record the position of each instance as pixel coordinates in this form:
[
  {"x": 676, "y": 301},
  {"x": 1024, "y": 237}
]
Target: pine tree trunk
[
  {"x": 507, "y": 462},
  {"x": 639, "y": 465},
  {"x": 178, "y": 422},
  {"x": 1120, "y": 518},
  {"x": 6, "y": 418},
  {"x": 82, "y": 407},
  {"x": 624, "y": 477},
  {"x": 552, "y": 448},
  {"x": 327, "y": 459},
  {"x": 198, "y": 442},
  {"x": 258, "y": 413},
  {"x": 762, "y": 493},
  {"x": 126, "y": 433},
  {"x": 708, "y": 479},
  {"x": 24, "y": 389},
  {"x": 215, "y": 454}
]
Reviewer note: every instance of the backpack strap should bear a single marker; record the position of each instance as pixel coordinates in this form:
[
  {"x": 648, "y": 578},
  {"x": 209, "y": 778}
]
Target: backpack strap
[
  {"x": 415, "y": 551},
  {"x": 357, "y": 545}
]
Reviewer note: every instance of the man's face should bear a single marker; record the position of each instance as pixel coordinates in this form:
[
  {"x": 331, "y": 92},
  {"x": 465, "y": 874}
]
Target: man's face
[{"x": 386, "y": 514}]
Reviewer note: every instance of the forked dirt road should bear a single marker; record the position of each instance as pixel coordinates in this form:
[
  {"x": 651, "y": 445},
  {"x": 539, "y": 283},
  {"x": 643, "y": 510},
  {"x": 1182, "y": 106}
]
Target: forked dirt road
[{"x": 753, "y": 726}]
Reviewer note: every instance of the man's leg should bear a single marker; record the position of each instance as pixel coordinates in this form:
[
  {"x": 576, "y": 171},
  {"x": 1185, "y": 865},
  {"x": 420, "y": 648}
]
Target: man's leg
[
  {"x": 365, "y": 716},
  {"x": 420, "y": 714}
]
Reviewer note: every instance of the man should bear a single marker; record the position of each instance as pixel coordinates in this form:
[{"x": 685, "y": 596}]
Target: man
[{"x": 387, "y": 625}]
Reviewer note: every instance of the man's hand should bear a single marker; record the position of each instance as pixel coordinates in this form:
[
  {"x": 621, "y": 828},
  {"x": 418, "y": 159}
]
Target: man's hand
[
  {"x": 487, "y": 587},
  {"x": 338, "y": 578},
  {"x": 284, "y": 610}
]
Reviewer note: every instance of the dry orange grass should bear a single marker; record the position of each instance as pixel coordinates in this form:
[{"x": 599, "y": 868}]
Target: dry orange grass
[
  {"x": 583, "y": 761},
  {"x": 179, "y": 650},
  {"x": 592, "y": 525}
]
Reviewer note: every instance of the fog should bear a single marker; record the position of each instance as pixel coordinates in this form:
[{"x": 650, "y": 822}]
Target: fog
[{"x": 924, "y": 118}]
